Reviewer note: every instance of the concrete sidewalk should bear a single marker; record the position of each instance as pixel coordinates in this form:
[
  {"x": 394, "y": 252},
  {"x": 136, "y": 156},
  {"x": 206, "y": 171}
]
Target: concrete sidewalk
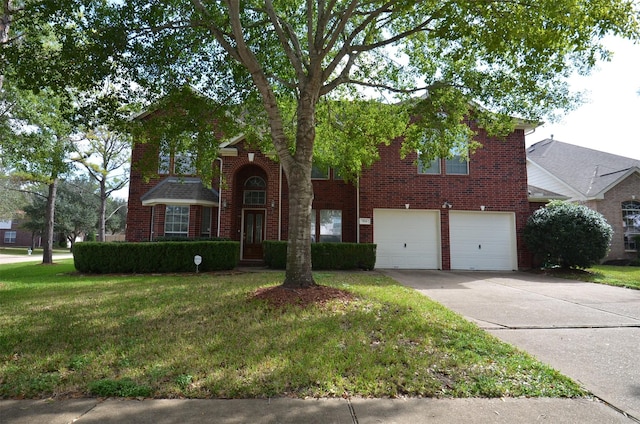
[
  {"x": 589, "y": 332},
  {"x": 315, "y": 411}
]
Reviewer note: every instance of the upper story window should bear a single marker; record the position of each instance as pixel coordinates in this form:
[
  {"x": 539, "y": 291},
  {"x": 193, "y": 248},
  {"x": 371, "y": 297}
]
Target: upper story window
[
  {"x": 255, "y": 191},
  {"x": 432, "y": 168},
  {"x": 322, "y": 172},
  {"x": 170, "y": 162},
  {"x": 319, "y": 172},
  {"x": 631, "y": 223},
  {"x": 456, "y": 165}
]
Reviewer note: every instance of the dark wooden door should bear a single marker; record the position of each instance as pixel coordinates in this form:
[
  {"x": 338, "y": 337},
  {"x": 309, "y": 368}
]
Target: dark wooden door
[{"x": 253, "y": 234}]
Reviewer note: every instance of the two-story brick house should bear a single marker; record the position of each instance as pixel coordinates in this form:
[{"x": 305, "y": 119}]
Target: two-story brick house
[{"x": 451, "y": 215}]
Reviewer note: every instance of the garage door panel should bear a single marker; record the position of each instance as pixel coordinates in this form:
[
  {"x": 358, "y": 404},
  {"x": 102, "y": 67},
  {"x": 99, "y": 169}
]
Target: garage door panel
[
  {"x": 482, "y": 241},
  {"x": 408, "y": 239}
]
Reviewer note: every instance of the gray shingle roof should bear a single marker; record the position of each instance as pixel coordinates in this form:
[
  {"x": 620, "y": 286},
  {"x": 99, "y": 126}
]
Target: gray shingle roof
[
  {"x": 181, "y": 191},
  {"x": 588, "y": 171}
]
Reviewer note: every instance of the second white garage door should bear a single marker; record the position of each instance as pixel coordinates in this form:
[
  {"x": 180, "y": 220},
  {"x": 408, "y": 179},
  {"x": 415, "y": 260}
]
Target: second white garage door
[
  {"x": 483, "y": 241},
  {"x": 407, "y": 238}
]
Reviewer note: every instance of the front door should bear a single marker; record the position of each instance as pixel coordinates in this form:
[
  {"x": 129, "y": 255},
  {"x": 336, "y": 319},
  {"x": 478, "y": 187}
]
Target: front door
[{"x": 253, "y": 234}]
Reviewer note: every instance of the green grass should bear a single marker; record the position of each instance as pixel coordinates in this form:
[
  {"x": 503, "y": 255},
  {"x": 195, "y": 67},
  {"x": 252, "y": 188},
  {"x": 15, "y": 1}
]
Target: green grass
[
  {"x": 204, "y": 336},
  {"x": 620, "y": 276}
]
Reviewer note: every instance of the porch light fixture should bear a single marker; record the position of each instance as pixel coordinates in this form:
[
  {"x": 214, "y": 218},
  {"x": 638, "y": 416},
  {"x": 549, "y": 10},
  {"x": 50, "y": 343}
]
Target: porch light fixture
[
  {"x": 224, "y": 204},
  {"x": 251, "y": 156},
  {"x": 406, "y": 206},
  {"x": 273, "y": 204}
]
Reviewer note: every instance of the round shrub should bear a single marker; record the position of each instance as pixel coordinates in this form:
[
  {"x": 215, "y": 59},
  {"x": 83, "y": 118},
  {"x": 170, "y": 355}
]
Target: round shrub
[{"x": 568, "y": 235}]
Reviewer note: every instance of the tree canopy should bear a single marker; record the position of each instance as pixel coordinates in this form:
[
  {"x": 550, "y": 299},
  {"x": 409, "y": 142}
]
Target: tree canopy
[{"x": 285, "y": 68}]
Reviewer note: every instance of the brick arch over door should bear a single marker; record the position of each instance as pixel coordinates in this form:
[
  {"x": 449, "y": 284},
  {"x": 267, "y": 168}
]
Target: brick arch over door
[{"x": 251, "y": 197}]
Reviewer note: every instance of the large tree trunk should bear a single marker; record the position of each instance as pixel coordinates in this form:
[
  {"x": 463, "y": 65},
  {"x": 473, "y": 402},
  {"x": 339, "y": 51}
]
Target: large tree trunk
[
  {"x": 47, "y": 253},
  {"x": 298, "y": 274}
]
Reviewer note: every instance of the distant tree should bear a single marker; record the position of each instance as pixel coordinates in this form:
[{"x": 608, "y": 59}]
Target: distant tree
[
  {"x": 116, "y": 218},
  {"x": 568, "y": 235},
  {"x": 35, "y": 140},
  {"x": 76, "y": 210},
  {"x": 102, "y": 153}
]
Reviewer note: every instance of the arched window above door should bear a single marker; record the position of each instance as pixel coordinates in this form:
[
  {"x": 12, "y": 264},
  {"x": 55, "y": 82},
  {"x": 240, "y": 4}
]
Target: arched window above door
[{"x": 255, "y": 191}]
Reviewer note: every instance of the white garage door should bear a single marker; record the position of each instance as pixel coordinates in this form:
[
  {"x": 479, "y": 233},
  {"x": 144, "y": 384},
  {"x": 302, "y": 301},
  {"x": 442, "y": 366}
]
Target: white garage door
[
  {"x": 407, "y": 238},
  {"x": 483, "y": 241}
]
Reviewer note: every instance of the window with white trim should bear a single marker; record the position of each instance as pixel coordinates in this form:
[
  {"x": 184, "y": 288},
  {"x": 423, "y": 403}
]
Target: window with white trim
[
  {"x": 319, "y": 172},
  {"x": 457, "y": 164},
  {"x": 255, "y": 191},
  {"x": 184, "y": 164},
  {"x": 631, "y": 224},
  {"x": 176, "y": 221},
  {"x": 10, "y": 236},
  {"x": 170, "y": 162},
  {"x": 432, "y": 168},
  {"x": 328, "y": 228}
]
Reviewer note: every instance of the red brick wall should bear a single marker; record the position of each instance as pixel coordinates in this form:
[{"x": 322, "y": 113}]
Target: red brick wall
[
  {"x": 138, "y": 216},
  {"x": 497, "y": 179}
]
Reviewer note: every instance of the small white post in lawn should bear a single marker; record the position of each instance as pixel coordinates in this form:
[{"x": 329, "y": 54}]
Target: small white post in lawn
[{"x": 197, "y": 260}]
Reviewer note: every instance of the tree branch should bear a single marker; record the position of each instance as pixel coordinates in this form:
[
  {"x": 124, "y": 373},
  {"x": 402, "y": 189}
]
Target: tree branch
[
  {"x": 295, "y": 55},
  {"x": 218, "y": 34}
]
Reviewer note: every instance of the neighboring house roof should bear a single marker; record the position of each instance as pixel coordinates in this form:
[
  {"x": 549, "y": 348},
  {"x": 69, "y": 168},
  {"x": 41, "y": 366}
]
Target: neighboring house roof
[
  {"x": 591, "y": 173},
  {"x": 537, "y": 194},
  {"x": 181, "y": 191}
]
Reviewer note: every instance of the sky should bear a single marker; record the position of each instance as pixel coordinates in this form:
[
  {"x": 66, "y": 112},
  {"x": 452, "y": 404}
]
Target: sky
[{"x": 608, "y": 120}]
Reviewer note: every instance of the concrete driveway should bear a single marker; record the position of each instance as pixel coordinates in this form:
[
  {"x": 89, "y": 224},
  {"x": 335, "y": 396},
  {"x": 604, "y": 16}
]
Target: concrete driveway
[{"x": 589, "y": 332}]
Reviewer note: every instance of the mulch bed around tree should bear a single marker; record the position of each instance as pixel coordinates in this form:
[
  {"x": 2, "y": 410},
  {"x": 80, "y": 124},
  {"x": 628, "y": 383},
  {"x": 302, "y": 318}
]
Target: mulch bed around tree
[{"x": 280, "y": 297}]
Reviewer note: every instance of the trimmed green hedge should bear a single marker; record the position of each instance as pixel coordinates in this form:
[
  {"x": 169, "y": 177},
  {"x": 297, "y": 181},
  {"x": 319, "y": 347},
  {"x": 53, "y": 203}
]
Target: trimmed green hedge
[
  {"x": 325, "y": 255},
  {"x": 150, "y": 257}
]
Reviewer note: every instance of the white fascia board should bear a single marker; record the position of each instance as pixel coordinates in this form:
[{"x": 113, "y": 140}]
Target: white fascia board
[{"x": 179, "y": 202}]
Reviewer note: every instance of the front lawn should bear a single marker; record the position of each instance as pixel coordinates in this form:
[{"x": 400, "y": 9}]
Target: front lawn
[
  {"x": 206, "y": 336},
  {"x": 620, "y": 276}
]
